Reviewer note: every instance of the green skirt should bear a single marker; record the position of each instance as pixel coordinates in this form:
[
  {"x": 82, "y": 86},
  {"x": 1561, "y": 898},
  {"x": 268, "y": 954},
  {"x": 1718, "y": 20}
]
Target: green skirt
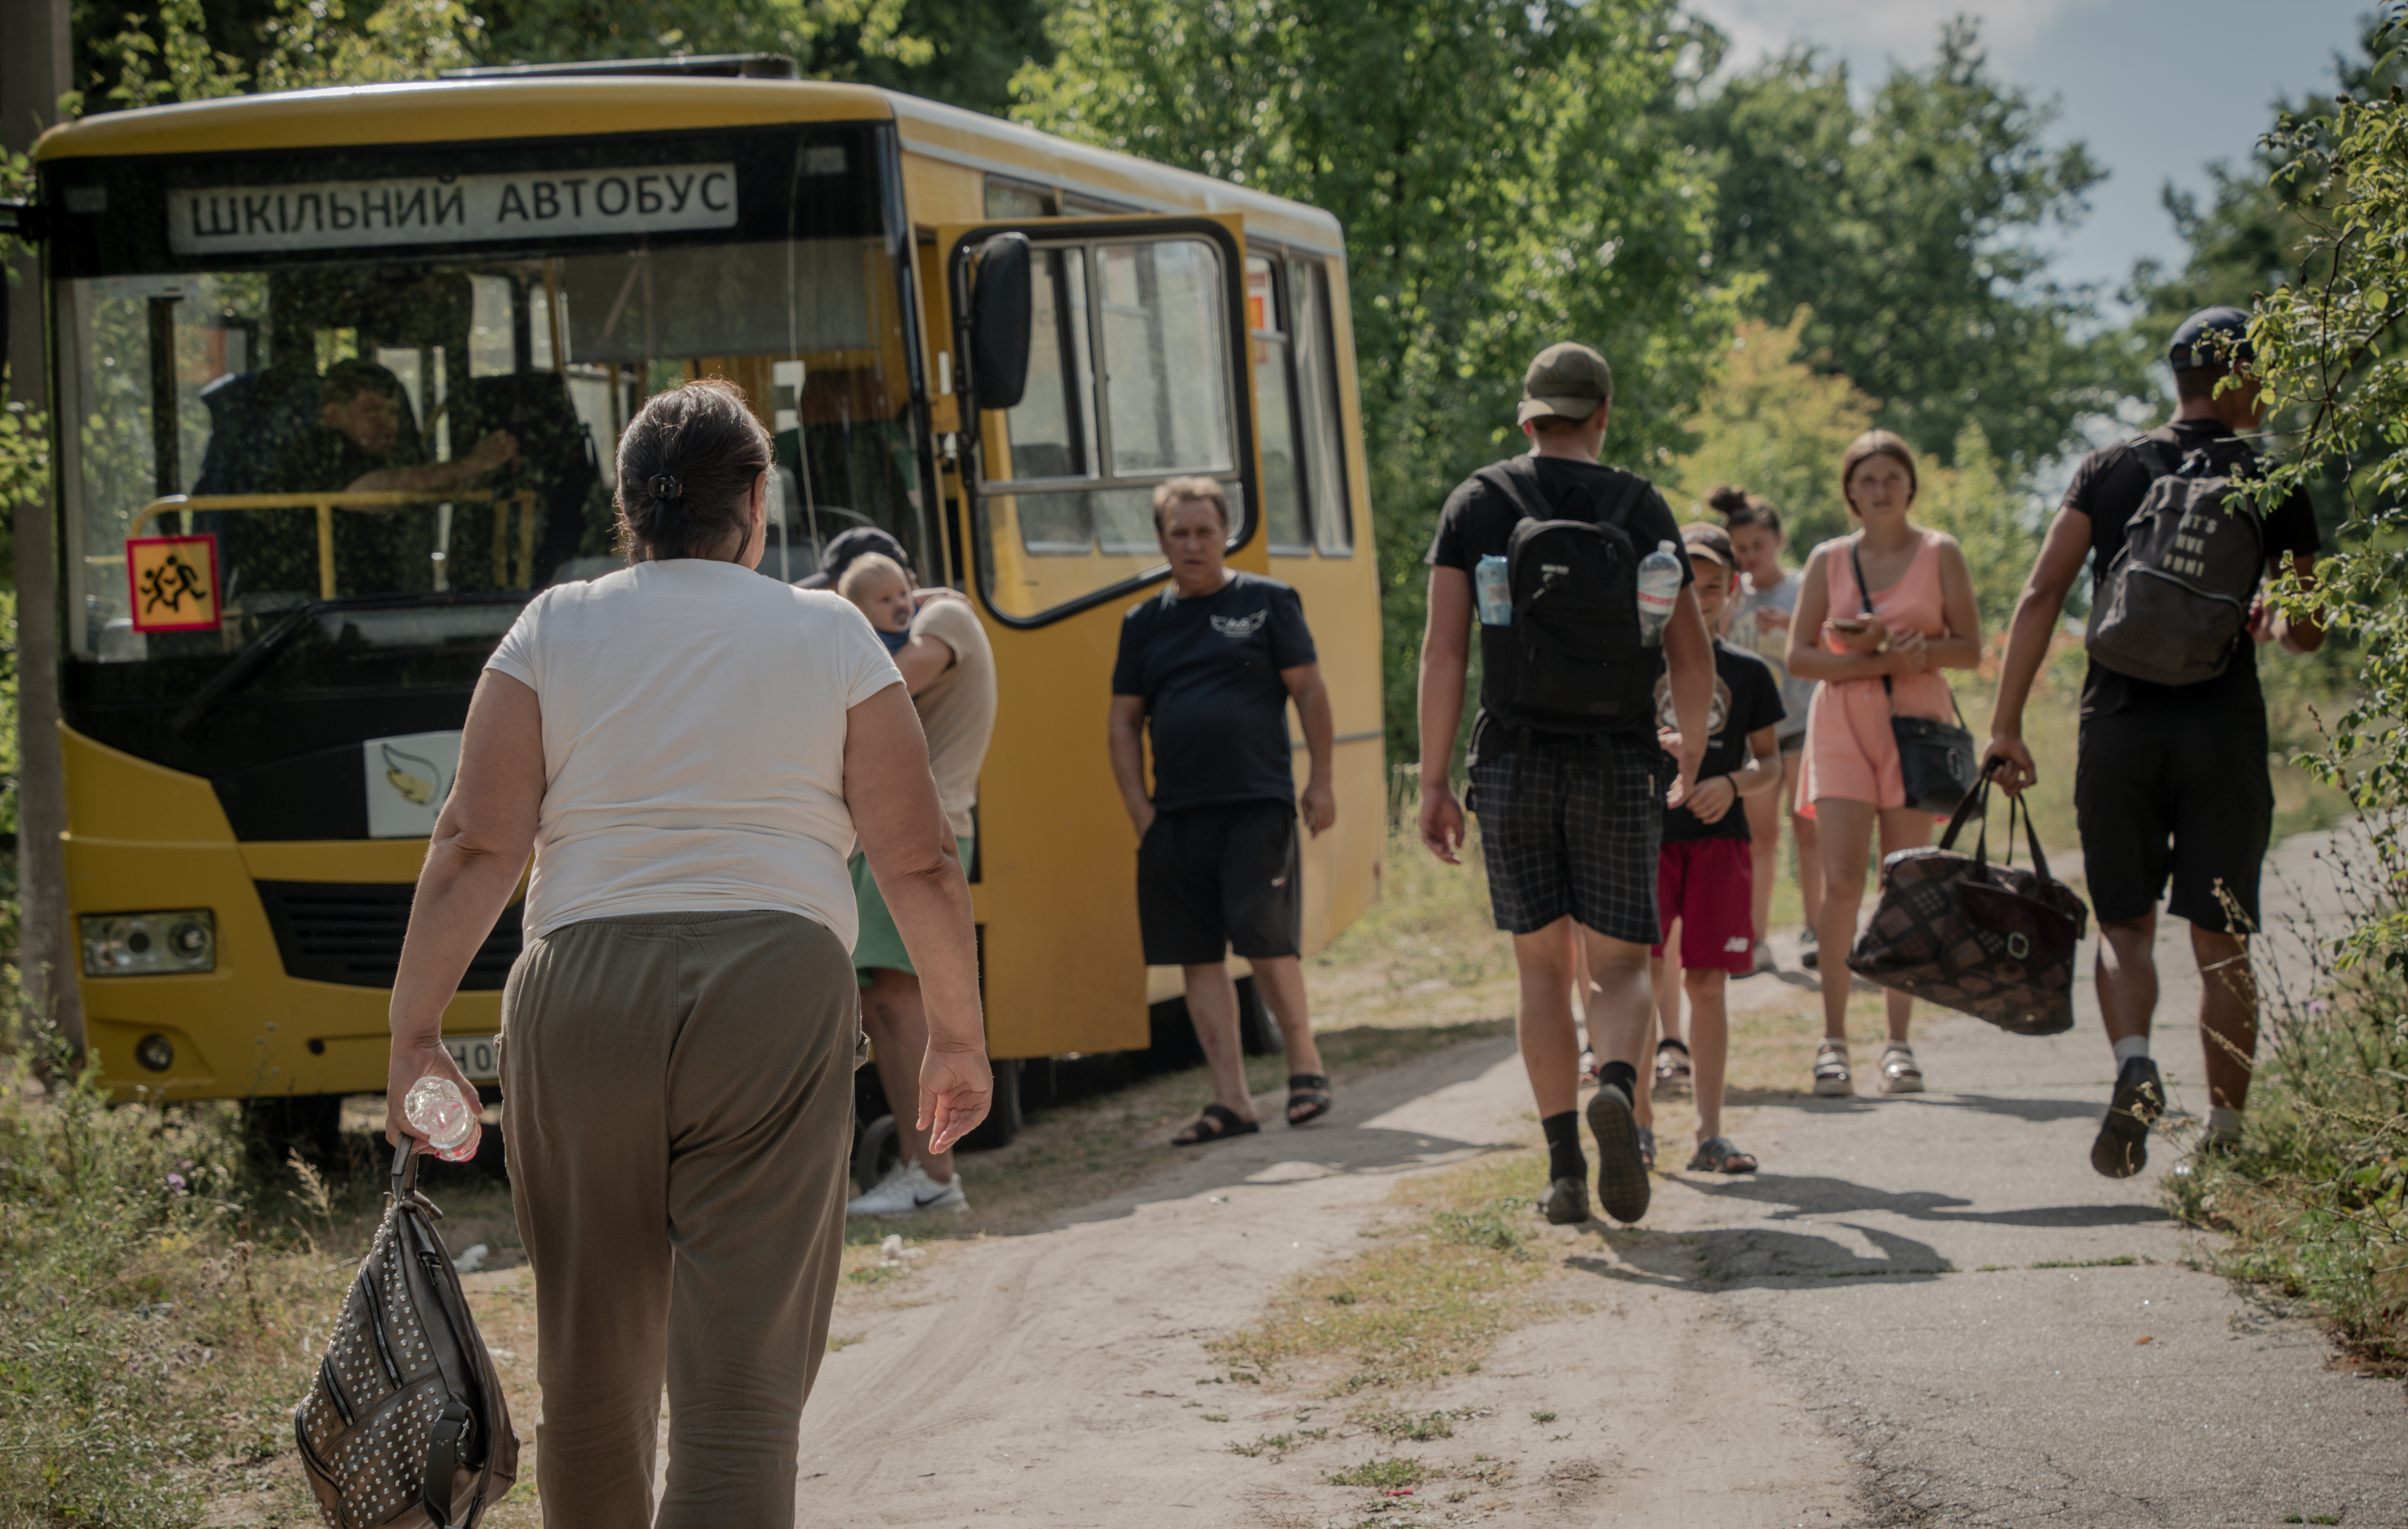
[{"x": 880, "y": 945}]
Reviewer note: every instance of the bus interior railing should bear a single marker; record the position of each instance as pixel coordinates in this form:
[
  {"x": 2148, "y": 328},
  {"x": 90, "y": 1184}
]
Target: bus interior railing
[{"x": 191, "y": 506}]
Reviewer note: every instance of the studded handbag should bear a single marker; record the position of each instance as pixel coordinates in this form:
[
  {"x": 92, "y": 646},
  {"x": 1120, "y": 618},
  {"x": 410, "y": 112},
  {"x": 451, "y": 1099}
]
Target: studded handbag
[
  {"x": 404, "y": 1425},
  {"x": 1992, "y": 941}
]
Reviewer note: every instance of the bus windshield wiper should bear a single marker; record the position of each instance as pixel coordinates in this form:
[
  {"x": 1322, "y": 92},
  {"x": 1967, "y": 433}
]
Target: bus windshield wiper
[{"x": 262, "y": 649}]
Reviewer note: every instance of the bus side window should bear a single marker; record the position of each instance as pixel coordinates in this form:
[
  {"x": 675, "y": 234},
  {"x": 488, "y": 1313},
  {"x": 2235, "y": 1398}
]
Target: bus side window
[
  {"x": 1267, "y": 338},
  {"x": 1129, "y": 382},
  {"x": 1325, "y": 450}
]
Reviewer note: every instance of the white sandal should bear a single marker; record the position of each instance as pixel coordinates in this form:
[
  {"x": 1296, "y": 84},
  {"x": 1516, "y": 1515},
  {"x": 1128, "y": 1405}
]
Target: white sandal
[
  {"x": 1899, "y": 1072},
  {"x": 1832, "y": 1079}
]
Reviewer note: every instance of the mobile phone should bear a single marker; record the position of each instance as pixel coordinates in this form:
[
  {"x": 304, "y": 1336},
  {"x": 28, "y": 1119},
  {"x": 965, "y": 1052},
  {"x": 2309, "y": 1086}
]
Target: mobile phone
[{"x": 1851, "y": 624}]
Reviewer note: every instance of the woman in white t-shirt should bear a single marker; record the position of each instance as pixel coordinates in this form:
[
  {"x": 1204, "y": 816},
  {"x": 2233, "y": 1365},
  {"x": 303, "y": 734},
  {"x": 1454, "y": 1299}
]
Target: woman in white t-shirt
[
  {"x": 1757, "y": 620},
  {"x": 691, "y": 751}
]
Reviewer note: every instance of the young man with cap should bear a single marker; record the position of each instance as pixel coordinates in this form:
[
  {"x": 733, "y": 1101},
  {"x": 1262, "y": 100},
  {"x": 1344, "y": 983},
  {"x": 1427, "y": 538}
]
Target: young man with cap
[
  {"x": 1570, "y": 817},
  {"x": 2171, "y": 780}
]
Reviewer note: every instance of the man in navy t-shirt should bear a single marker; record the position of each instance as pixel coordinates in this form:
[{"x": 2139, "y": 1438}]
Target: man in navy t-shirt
[{"x": 1212, "y": 663}]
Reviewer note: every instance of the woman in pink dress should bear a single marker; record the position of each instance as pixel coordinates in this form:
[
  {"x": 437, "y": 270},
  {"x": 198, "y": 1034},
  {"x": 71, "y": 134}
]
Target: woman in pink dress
[{"x": 1922, "y": 620}]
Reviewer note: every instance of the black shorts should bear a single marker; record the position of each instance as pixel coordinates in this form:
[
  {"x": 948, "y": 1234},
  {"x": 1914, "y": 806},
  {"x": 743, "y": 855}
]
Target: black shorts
[
  {"x": 1573, "y": 829},
  {"x": 1214, "y": 880},
  {"x": 2179, "y": 794}
]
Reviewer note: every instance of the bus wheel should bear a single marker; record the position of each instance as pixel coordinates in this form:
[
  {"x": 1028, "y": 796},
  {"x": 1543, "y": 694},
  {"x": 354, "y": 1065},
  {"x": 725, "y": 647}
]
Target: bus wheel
[
  {"x": 1002, "y": 1121},
  {"x": 875, "y": 1154},
  {"x": 276, "y": 1126}
]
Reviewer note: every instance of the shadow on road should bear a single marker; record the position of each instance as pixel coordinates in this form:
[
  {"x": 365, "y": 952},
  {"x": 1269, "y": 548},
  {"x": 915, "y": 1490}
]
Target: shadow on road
[{"x": 1278, "y": 1155}]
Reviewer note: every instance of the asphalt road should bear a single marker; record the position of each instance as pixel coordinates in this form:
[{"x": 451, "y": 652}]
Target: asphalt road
[{"x": 2074, "y": 1367}]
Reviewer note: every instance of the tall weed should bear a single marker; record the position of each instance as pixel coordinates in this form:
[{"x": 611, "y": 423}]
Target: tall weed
[
  {"x": 149, "y": 1342},
  {"x": 2316, "y": 1200}
]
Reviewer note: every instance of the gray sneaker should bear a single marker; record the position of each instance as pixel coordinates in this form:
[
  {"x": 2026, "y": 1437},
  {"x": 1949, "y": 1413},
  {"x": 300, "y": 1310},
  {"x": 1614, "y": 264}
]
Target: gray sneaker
[
  {"x": 1565, "y": 1204},
  {"x": 1622, "y": 1186},
  {"x": 909, "y": 1190}
]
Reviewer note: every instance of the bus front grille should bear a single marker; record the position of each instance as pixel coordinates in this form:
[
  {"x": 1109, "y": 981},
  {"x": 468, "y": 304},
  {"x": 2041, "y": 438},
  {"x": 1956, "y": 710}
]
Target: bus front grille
[{"x": 351, "y": 932}]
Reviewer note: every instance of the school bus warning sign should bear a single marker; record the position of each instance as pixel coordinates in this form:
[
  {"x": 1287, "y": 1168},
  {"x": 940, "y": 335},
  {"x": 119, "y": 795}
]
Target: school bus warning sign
[{"x": 174, "y": 582}]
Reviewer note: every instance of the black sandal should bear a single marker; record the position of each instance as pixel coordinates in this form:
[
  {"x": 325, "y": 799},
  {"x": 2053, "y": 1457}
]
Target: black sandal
[
  {"x": 1311, "y": 1091},
  {"x": 1216, "y": 1123}
]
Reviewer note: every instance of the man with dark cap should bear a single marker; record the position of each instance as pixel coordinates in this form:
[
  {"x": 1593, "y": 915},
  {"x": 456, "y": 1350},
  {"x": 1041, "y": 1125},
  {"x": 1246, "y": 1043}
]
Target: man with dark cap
[
  {"x": 2172, "y": 781},
  {"x": 1567, "y": 774}
]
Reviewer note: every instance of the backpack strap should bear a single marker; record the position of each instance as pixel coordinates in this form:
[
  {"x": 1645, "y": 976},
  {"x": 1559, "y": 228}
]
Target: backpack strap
[
  {"x": 1518, "y": 481},
  {"x": 2151, "y": 454}
]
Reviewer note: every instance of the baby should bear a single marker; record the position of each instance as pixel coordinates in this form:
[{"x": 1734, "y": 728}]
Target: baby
[{"x": 877, "y": 584}]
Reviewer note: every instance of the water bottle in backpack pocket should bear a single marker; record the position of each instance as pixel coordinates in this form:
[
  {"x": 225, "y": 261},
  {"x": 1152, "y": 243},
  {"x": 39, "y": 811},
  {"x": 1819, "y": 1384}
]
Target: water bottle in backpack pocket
[{"x": 2172, "y": 605}]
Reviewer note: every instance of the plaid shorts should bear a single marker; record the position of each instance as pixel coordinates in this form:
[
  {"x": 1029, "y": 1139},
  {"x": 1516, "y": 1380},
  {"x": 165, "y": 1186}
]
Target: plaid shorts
[{"x": 1574, "y": 830}]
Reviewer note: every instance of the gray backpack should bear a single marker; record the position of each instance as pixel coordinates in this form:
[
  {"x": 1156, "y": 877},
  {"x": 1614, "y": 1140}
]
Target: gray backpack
[{"x": 2172, "y": 603}]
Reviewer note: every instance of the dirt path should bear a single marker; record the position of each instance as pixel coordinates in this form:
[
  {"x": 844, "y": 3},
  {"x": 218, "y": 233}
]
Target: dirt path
[
  {"x": 1923, "y": 1310},
  {"x": 1061, "y": 1379}
]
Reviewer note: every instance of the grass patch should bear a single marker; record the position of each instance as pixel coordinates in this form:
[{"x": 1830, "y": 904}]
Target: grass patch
[
  {"x": 1277, "y": 1446},
  {"x": 1389, "y": 1475},
  {"x": 164, "y": 1298},
  {"x": 1427, "y": 1301},
  {"x": 1391, "y": 1424}
]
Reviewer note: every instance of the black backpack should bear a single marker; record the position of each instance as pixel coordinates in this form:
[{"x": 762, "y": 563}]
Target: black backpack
[
  {"x": 2173, "y": 604},
  {"x": 405, "y": 1425},
  {"x": 1571, "y": 660}
]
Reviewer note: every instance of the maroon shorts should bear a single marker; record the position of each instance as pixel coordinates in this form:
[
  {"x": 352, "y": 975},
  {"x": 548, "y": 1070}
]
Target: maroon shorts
[{"x": 1708, "y": 886}]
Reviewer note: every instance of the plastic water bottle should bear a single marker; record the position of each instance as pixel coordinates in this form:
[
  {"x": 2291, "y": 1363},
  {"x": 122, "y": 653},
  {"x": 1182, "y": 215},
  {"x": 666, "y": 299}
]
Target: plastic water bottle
[
  {"x": 435, "y": 1110},
  {"x": 1494, "y": 592},
  {"x": 1659, "y": 585}
]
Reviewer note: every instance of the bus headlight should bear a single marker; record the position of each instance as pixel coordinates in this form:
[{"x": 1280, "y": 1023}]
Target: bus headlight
[{"x": 141, "y": 944}]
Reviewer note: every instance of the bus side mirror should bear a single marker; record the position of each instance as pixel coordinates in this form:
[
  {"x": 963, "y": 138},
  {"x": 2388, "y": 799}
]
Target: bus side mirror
[{"x": 1001, "y": 308}]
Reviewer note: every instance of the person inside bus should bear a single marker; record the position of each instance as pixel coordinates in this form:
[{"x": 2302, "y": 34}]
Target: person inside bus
[
  {"x": 1210, "y": 664},
  {"x": 690, "y": 750},
  {"x": 946, "y": 661},
  {"x": 363, "y": 441}
]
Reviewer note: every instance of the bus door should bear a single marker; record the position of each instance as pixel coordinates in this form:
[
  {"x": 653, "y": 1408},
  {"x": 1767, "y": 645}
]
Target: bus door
[{"x": 1136, "y": 330}]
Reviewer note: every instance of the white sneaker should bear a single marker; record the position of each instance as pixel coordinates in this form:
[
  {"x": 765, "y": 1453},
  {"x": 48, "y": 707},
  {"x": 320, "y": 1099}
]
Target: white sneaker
[{"x": 909, "y": 1190}]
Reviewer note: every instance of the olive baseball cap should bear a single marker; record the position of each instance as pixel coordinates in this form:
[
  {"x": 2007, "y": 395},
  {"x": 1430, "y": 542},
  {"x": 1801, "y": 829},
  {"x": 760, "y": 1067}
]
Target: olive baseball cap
[
  {"x": 2211, "y": 336},
  {"x": 1701, "y": 538},
  {"x": 1567, "y": 379}
]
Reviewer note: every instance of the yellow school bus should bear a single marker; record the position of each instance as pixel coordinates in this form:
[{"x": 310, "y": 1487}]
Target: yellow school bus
[{"x": 340, "y": 375}]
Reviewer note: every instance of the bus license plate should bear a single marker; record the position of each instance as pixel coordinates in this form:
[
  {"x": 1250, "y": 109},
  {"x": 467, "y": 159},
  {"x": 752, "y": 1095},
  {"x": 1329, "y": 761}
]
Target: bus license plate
[{"x": 480, "y": 1057}]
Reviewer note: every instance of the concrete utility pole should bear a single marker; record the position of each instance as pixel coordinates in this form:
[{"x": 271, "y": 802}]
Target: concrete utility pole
[{"x": 36, "y": 67}]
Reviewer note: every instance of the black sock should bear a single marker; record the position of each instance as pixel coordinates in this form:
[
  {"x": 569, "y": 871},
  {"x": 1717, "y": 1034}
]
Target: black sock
[
  {"x": 1620, "y": 1073},
  {"x": 1564, "y": 1159}
]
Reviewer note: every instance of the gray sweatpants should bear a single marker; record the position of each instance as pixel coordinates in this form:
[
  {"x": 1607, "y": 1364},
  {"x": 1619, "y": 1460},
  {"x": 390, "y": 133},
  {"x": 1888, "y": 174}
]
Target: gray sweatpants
[{"x": 678, "y": 1090}]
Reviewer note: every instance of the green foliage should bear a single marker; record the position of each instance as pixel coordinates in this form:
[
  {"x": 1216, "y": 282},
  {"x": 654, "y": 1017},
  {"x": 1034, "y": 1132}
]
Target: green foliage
[
  {"x": 1775, "y": 426},
  {"x": 2330, "y": 353},
  {"x": 2254, "y": 230},
  {"x": 188, "y": 51},
  {"x": 120, "y": 1295},
  {"x": 1507, "y": 176},
  {"x": 2317, "y": 1202},
  {"x": 1772, "y": 423},
  {"x": 1909, "y": 226}
]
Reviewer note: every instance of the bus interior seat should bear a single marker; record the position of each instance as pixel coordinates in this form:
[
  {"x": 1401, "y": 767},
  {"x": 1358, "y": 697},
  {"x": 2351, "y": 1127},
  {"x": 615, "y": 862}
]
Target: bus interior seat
[
  {"x": 555, "y": 455},
  {"x": 253, "y": 416}
]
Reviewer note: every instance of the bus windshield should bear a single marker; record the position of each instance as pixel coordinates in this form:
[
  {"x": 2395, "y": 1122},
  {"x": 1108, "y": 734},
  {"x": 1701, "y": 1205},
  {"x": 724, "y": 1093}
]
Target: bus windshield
[{"x": 374, "y": 401}]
